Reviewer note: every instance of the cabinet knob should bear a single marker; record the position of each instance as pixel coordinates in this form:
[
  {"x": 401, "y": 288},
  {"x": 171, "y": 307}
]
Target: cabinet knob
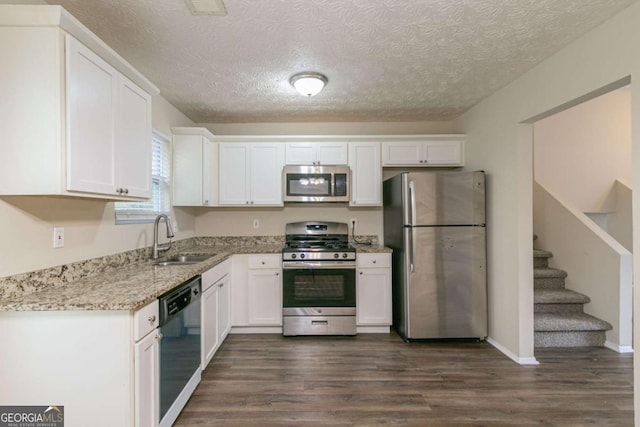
[
  {"x": 246, "y": 203},
  {"x": 119, "y": 190},
  {"x": 374, "y": 261},
  {"x": 206, "y": 202},
  {"x": 152, "y": 319},
  {"x": 159, "y": 336},
  {"x": 251, "y": 202},
  {"x": 361, "y": 273},
  {"x": 221, "y": 285},
  {"x": 277, "y": 274},
  {"x": 262, "y": 262}
]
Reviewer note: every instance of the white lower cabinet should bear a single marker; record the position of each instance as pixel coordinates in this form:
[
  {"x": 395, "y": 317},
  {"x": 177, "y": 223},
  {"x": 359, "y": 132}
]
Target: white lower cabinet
[
  {"x": 216, "y": 303},
  {"x": 147, "y": 380},
  {"x": 256, "y": 295},
  {"x": 84, "y": 360},
  {"x": 373, "y": 289}
]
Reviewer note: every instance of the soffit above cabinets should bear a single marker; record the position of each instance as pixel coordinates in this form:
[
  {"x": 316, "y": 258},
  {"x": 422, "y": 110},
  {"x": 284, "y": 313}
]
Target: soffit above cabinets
[{"x": 385, "y": 60}]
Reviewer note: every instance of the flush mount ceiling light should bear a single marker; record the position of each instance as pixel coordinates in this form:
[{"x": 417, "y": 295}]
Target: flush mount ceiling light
[
  {"x": 308, "y": 83},
  {"x": 206, "y": 7}
]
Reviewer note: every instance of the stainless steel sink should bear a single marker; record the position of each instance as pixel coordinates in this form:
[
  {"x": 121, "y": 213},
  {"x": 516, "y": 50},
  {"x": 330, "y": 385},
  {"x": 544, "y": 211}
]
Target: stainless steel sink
[{"x": 182, "y": 260}]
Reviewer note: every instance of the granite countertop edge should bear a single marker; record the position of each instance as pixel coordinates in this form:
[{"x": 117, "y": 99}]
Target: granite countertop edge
[{"x": 133, "y": 286}]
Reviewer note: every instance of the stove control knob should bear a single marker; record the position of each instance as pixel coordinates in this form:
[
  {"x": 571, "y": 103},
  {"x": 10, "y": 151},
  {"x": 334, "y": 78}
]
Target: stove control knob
[
  {"x": 336, "y": 255},
  {"x": 294, "y": 256},
  {"x": 344, "y": 255},
  {"x": 302, "y": 256}
]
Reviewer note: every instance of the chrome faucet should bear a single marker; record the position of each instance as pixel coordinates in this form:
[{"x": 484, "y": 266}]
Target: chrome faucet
[{"x": 166, "y": 246}]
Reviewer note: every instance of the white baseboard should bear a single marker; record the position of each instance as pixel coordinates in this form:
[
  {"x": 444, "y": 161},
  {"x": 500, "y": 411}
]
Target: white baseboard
[
  {"x": 256, "y": 330},
  {"x": 618, "y": 348},
  {"x": 373, "y": 329},
  {"x": 510, "y": 355}
]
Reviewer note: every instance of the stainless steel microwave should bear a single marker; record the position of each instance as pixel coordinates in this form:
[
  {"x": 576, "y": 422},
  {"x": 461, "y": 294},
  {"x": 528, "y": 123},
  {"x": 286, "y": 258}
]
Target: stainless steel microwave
[{"x": 316, "y": 183}]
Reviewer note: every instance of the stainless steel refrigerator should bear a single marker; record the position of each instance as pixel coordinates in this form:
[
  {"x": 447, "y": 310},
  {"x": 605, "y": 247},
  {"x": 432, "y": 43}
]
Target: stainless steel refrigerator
[{"x": 435, "y": 224}]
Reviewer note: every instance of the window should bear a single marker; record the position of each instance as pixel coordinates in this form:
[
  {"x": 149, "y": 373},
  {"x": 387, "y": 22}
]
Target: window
[{"x": 160, "y": 201}]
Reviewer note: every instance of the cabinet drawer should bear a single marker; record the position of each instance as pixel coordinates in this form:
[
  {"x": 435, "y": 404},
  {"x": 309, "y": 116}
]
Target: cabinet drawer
[
  {"x": 214, "y": 274},
  {"x": 145, "y": 320},
  {"x": 382, "y": 260},
  {"x": 265, "y": 261}
]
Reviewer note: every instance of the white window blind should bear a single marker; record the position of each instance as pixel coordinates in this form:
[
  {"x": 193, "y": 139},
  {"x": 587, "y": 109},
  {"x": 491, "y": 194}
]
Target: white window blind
[{"x": 160, "y": 201}]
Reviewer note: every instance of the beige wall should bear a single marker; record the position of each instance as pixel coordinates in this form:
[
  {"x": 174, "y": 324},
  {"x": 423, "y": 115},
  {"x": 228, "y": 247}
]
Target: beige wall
[
  {"x": 333, "y": 128},
  {"x": 500, "y": 140},
  {"x": 90, "y": 230},
  {"x": 580, "y": 152}
]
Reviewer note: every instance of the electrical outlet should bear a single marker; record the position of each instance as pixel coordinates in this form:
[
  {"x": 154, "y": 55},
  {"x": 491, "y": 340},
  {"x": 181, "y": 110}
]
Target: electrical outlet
[
  {"x": 256, "y": 223},
  {"x": 58, "y": 237}
]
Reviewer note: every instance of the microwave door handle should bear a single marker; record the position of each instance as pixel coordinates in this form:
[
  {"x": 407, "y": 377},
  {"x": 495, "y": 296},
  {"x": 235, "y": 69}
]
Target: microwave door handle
[{"x": 333, "y": 185}]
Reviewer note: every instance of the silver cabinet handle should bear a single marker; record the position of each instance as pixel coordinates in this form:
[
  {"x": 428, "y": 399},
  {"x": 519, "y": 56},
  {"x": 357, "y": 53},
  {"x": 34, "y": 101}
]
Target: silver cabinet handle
[
  {"x": 126, "y": 191},
  {"x": 152, "y": 319}
]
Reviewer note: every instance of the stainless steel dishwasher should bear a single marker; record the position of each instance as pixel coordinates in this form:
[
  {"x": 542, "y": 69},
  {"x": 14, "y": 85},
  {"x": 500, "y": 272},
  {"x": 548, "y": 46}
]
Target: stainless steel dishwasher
[{"x": 179, "y": 348}]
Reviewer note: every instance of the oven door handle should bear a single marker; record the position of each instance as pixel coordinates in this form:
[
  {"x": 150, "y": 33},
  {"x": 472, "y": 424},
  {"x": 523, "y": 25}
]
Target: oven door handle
[{"x": 324, "y": 265}]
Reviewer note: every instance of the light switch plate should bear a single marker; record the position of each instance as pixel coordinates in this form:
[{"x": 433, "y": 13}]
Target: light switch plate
[{"x": 58, "y": 237}]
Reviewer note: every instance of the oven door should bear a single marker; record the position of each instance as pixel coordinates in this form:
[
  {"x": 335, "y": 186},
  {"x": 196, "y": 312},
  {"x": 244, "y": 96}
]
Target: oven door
[{"x": 319, "y": 284}]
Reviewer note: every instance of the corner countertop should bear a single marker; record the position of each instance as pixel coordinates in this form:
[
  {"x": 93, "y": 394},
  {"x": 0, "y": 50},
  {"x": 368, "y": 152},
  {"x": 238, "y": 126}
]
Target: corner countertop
[{"x": 131, "y": 286}]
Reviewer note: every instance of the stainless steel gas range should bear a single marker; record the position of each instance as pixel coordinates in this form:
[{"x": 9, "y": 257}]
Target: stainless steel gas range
[{"x": 319, "y": 280}]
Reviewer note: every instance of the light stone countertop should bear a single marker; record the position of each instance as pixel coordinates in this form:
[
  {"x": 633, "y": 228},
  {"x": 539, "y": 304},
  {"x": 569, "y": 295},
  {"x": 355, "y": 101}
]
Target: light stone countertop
[
  {"x": 129, "y": 287},
  {"x": 133, "y": 285}
]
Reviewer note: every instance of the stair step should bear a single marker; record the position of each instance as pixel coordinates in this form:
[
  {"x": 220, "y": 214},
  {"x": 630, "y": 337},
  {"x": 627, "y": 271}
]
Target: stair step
[
  {"x": 541, "y": 258},
  {"x": 569, "y": 339},
  {"x": 558, "y": 301},
  {"x": 568, "y": 322},
  {"x": 548, "y": 278}
]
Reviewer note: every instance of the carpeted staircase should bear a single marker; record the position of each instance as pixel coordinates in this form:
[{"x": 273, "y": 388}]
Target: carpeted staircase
[{"x": 559, "y": 319}]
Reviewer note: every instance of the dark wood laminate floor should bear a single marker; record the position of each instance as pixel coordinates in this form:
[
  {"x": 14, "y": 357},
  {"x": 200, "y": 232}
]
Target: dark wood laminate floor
[{"x": 371, "y": 379}]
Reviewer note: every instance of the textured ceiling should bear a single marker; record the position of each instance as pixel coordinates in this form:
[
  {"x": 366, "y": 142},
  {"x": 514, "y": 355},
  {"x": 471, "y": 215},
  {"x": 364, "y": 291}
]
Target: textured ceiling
[{"x": 386, "y": 60}]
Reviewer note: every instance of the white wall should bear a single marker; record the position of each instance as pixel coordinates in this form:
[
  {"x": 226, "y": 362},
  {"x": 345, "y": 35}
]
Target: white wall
[
  {"x": 90, "y": 230},
  {"x": 580, "y": 152},
  {"x": 500, "y": 141}
]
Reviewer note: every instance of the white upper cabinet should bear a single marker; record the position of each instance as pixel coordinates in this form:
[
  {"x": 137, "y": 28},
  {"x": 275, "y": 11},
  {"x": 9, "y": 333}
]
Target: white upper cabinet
[
  {"x": 366, "y": 174},
  {"x": 195, "y": 167},
  {"x": 251, "y": 174},
  {"x": 446, "y": 151},
  {"x": 316, "y": 153},
  {"x": 76, "y": 118}
]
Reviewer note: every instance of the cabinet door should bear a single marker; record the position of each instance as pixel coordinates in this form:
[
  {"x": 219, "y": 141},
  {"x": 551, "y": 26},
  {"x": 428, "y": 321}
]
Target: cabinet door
[
  {"x": 92, "y": 90},
  {"x": 187, "y": 170},
  {"x": 374, "y": 296},
  {"x": 265, "y": 297},
  {"x": 366, "y": 174},
  {"x": 443, "y": 153},
  {"x": 401, "y": 153},
  {"x": 224, "y": 309},
  {"x": 300, "y": 153},
  {"x": 332, "y": 153},
  {"x": 209, "y": 335},
  {"x": 234, "y": 184},
  {"x": 133, "y": 142},
  {"x": 209, "y": 173},
  {"x": 266, "y": 174},
  {"x": 147, "y": 380}
]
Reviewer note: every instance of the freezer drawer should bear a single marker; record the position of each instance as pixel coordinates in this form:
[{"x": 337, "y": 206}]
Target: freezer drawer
[{"x": 445, "y": 271}]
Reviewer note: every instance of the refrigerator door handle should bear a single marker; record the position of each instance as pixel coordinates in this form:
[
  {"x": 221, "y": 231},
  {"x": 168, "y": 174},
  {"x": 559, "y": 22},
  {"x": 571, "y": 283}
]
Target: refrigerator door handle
[
  {"x": 411, "y": 249},
  {"x": 412, "y": 203}
]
